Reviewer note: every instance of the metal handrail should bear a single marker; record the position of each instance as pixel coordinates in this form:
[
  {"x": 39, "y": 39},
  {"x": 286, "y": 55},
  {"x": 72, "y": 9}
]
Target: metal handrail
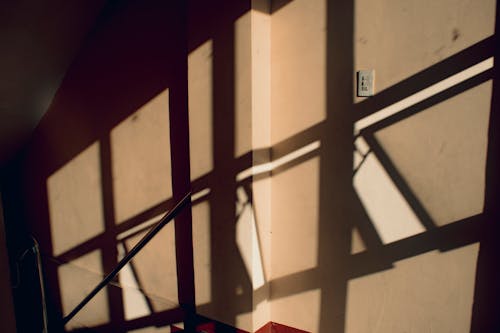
[
  {"x": 45, "y": 317},
  {"x": 35, "y": 249},
  {"x": 169, "y": 216}
]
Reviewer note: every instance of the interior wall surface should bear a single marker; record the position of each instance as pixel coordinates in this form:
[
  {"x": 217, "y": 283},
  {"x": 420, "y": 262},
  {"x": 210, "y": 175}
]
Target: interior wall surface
[
  {"x": 105, "y": 163},
  {"x": 298, "y": 105},
  {"x": 107, "y": 152},
  {"x": 376, "y": 219},
  {"x": 311, "y": 207},
  {"x": 229, "y": 45}
]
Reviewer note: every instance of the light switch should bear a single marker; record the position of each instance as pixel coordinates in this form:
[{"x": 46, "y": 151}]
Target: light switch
[{"x": 366, "y": 83}]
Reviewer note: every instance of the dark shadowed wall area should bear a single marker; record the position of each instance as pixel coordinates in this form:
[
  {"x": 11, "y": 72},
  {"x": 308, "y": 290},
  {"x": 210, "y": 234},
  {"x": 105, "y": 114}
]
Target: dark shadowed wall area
[{"x": 7, "y": 309}]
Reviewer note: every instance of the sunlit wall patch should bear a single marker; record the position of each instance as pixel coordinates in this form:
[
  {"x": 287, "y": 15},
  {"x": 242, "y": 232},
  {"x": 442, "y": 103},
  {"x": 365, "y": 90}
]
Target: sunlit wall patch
[
  {"x": 76, "y": 279},
  {"x": 74, "y": 195},
  {"x": 247, "y": 239},
  {"x": 424, "y": 94},
  {"x": 389, "y": 212},
  {"x": 140, "y": 159}
]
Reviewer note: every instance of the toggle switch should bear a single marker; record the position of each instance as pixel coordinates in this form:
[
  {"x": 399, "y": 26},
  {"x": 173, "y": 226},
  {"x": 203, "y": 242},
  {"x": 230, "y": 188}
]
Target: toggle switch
[{"x": 366, "y": 83}]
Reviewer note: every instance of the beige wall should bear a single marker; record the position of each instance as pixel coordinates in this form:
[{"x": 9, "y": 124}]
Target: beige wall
[
  {"x": 303, "y": 212},
  {"x": 231, "y": 247},
  {"x": 401, "y": 38},
  {"x": 298, "y": 90},
  {"x": 261, "y": 140},
  {"x": 98, "y": 168},
  {"x": 141, "y": 181},
  {"x": 427, "y": 170}
]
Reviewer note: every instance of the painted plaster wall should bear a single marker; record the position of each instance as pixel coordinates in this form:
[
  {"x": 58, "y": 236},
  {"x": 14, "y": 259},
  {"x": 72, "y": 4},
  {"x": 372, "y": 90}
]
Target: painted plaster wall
[
  {"x": 292, "y": 222},
  {"x": 298, "y": 104},
  {"x": 103, "y": 155},
  {"x": 412, "y": 175},
  {"x": 229, "y": 118}
]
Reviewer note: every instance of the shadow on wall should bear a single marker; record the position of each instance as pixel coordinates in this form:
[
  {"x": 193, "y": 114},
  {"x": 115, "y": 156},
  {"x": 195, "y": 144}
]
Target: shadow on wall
[
  {"x": 399, "y": 210},
  {"x": 112, "y": 154},
  {"x": 386, "y": 231},
  {"x": 103, "y": 156}
]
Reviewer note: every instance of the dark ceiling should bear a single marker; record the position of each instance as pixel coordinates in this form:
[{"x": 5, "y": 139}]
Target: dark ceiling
[{"x": 39, "y": 40}]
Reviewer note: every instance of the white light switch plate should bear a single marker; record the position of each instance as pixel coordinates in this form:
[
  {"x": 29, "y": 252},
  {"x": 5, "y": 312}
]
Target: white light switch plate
[{"x": 366, "y": 83}]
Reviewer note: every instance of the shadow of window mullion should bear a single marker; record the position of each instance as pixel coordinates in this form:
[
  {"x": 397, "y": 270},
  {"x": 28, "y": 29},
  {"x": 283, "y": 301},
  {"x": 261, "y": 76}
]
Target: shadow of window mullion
[
  {"x": 228, "y": 274},
  {"x": 487, "y": 288},
  {"x": 336, "y": 193},
  {"x": 428, "y": 102},
  {"x": 426, "y": 78},
  {"x": 109, "y": 250},
  {"x": 399, "y": 181},
  {"x": 367, "y": 231}
]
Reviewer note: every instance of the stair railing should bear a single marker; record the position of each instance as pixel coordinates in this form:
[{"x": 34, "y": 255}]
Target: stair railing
[{"x": 169, "y": 216}]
